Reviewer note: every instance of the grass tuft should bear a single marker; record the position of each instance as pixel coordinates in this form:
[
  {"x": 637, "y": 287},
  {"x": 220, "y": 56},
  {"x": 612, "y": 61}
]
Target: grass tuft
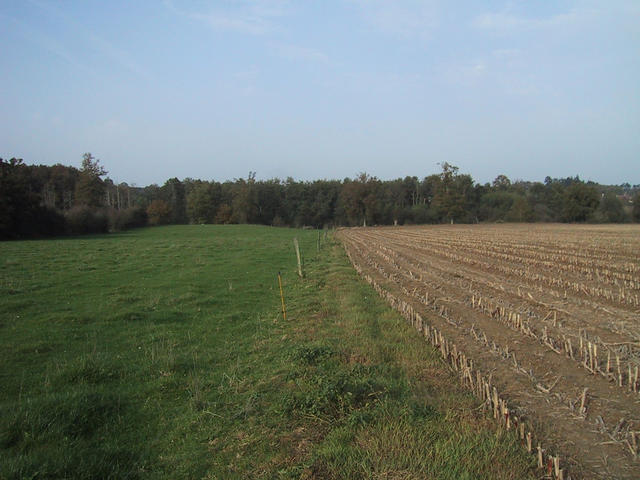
[
  {"x": 91, "y": 368},
  {"x": 73, "y": 414},
  {"x": 312, "y": 354}
]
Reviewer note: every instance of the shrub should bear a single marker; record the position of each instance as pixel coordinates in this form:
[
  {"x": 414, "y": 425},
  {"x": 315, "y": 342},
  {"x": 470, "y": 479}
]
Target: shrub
[
  {"x": 278, "y": 221},
  {"x": 37, "y": 221},
  {"x": 82, "y": 220},
  {"x": 224, "y": 214},
  {"x": 126, "y": 219},
  {"x": 610, "y": 210},
  {"x": 159, "y": 212},
  {"x": 50, "y": 221}
]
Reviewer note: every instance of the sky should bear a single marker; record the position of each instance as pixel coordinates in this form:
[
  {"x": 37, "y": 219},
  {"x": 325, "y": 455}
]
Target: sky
[{"x": 323, "y": 89}]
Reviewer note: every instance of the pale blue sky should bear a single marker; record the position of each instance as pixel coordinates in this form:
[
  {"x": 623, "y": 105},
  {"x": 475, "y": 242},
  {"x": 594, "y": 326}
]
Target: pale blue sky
[{"x": 323, "y": 89}]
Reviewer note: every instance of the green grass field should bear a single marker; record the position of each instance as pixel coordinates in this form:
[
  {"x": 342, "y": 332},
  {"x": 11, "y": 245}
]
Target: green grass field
[{"x": 162, "y": 353}]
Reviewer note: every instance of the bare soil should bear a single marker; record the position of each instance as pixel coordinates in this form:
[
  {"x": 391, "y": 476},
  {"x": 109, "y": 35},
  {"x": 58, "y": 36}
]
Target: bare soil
[{"x": 550, "y": 312}]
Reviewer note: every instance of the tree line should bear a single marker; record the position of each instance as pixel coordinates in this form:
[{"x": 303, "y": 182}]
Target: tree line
[{"x": 39, "y": 200}]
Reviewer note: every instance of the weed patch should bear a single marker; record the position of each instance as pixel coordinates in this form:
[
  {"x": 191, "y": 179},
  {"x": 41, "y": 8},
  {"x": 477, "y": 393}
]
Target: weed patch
[
  {"x": 338, "y": 391},
  {"x": 312, "y": 354}
]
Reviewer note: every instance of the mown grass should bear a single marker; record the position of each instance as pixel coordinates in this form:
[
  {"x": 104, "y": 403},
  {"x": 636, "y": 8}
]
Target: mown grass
[{"x": 161, "y": 353}]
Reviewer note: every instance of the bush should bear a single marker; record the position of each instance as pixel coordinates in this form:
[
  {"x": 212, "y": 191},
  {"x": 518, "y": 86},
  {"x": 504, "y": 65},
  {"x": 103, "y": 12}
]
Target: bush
[
  {"x": 32, "y": 222},
  {"x": 82, "y": 220},
  {"x": 610, "y": 210},
  {"x": 224, "y": 214},
  {"x": 37, "y": 221},
  {"x": 126, "y": 219},
  {"x": 278, "y": 221},
  {"x": 50, "y": 222},
  {"x": 423, "y": 214},
  {"x": 159, "y": 212}
]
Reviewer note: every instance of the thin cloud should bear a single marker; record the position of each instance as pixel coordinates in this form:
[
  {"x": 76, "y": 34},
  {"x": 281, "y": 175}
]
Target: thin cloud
[
  {"x": 49, "y": 44},
  {"x": 234, "y": 23},
  {"x": 245, "y": 81},
  {"x": 120, "y": 57},
  {"x": 503, "y": 70},
  {"x": 298, "y": 53},
  {"x": 508, "y": 58},
  {"x": 374, "y": 82},
  {"x": 506, "y": 53},
  {"x": 413, "y": 18},
  {"x": 465, "y": 74},
  {"x": 106, "y": 48},
  {"x": 249, "y": 74},
  {"x": 255, "y": 17},
  {"x": 506, "y": 21}
]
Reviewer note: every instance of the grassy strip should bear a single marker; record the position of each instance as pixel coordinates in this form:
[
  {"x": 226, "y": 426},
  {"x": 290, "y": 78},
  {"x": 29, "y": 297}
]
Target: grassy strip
[
  {"x": 162, "y": 353},
  {"x": 383, "y": 400}
]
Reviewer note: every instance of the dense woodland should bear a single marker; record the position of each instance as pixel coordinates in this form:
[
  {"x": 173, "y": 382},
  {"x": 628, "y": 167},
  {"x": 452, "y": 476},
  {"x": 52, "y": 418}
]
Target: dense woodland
[{"x": 39, "y": 200}]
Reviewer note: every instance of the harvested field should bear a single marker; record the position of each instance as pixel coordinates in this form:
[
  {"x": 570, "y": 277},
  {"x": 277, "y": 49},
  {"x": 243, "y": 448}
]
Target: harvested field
[{"x": 548, "y": 315}]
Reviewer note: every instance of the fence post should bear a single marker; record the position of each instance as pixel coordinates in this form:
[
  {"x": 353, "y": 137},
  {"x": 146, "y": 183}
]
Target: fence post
[
  {"x": 284, "y": 310},
  {"x": 297, "y": 246}
]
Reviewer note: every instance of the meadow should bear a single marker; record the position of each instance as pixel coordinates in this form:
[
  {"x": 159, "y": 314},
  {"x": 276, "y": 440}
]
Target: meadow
[{"x": 162, "y": 353}]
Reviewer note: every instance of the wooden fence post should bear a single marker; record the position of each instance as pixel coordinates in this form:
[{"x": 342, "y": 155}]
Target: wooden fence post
[
  {"x": 284, "y": 310},
  {"x": 297, "y": 246}
]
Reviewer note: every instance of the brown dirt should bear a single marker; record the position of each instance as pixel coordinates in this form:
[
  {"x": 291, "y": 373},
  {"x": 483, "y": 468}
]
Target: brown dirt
[{"x": 520, "y": 300}]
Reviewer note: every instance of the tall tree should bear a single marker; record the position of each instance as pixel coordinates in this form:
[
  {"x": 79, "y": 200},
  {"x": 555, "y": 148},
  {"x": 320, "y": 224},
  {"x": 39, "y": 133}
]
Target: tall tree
[
  {"x": 269, "y": 195},
  {"x": 21, "y": 212},
  {"x": 356, "y": 202},
  {"x": 90, "y": 188},
  {"x": 451, "y": 194},
  {"x": 245, "y": 208},
  {"x": 520, "y": 210},
  {"x": 580, "y": 202},
  {"x": 174, "y": 195},
  {"x": 15, "y": 196},
  {"x": 502, "y": 182},
  {"x": 159, "y": 212},
  {"x": 202, "y": 202},
  {"x": 611, "y": 209}
]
